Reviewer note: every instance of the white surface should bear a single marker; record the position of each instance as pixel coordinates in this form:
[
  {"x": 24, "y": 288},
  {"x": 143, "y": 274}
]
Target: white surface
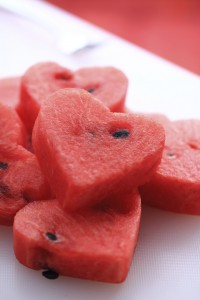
[{"x": 166, "y": 264}]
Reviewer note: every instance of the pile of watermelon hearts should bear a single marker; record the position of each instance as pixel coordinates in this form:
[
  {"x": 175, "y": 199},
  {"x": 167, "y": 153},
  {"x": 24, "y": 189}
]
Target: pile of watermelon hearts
[{"x": 74, "y": 165}]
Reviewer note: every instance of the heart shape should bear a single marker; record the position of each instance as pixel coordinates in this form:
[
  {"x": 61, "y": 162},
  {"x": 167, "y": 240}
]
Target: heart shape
[
  {"x": 96, "y": 244},
  {"x": 88, "y": 153},
  {"x": 175, "y": 186},
  {"x": 108, "y": 84}
]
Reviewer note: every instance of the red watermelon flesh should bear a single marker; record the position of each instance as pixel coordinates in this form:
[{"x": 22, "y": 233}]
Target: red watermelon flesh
[
  {"x": 12, "y": 131},
  {"x": 160, "y": 118},
  {"x": 176, "y": 184},
  {"x": 96, "y": 244},
  {"x": 21, "y": 179},
  {"x": 21, "y": 182},
  {"x": 10, "y": 91},
  {"x": 108, "y": 84},
  {"x": 88, "y": 153},
  {"x": 157, "y": 117}
]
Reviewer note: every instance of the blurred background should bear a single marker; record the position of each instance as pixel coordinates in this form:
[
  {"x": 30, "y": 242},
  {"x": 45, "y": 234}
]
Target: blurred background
[{"x": 168, "y": 28}]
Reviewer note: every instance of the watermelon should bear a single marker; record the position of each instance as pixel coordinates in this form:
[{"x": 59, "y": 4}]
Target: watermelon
[
  {"x": 160, "y": 118},
  {"x": 157, "y": 117},
  {"x": 10, "y": 91},
  {"x": 175, "y": 186},
  {"x": 12, "y": 131},
  {"x": 108, "y": 84},
  {"x": 21, "y": 180},
  {"x": 96, "y": 244},
  {"x": 88, "y": 153}
]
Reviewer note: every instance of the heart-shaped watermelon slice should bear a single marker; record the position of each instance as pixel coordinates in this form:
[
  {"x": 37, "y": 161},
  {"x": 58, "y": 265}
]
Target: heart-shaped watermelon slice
[
  {"x": 108, "y": 84},
  {"x": 175, "y": 186},
  {"x": 10, "y": 91},
  {"x": 96, "y": 244},
  {"x": 88, "y": 153},
  {"x": 21, "y": 180}
]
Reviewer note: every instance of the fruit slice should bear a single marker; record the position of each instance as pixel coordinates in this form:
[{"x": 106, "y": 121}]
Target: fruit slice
[
  {"x": 88, "y": 153},
  {"x": 9, "y": 91},
  {"x": 21, "y": 180},
  {"x": 96, "y": 244},
  {"x": 176, "y": 184},
  {"x": 12, "y": 131},
  {"x": 107, "y": 84}
]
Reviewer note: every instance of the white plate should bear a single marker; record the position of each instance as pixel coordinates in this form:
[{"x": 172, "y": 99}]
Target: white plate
[{"x": 166, "y": 263}]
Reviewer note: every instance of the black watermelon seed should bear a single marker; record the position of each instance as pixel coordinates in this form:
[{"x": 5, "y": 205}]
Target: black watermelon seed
[
  {"x": 91, "y": 90},
  {"x": 170, "y": 154},
  {"x": 50, "y": 274},
  {"x": 51, "y": 236},
  {"x": 121, "y": 134},
  {"x": 3, "y": 165}
]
